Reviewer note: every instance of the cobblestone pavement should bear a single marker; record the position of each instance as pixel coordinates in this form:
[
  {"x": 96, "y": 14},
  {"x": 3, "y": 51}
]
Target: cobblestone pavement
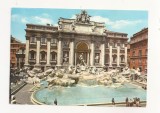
[{"x": 23, "y": 95}]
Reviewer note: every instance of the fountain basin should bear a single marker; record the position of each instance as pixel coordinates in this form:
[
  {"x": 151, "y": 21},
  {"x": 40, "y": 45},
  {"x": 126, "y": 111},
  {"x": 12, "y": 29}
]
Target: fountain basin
[{"x": 82, "y": 94}]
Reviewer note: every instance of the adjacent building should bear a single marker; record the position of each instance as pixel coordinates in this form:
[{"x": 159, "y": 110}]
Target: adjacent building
[
  {"x": 139, "y": 50},
  {"x": 74, "y": 41},
  {"x": 17, "y": 53}
]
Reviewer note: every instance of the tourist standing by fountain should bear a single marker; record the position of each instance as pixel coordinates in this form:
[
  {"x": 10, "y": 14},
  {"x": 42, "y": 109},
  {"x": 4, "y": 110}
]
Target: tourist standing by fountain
[
  {"x": 126, "y": 101},
  {"x": 138, "y": 102},
  {"x": 55, "y": 102},
  {"x": 113, "y": 101}
]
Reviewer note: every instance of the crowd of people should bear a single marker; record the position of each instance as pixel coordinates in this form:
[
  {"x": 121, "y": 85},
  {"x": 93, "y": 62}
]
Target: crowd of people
[{"x": 135, "y": 102}]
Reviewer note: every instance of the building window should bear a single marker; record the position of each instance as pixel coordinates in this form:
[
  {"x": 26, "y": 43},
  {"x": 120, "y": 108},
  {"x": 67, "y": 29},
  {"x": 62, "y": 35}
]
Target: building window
[
  {"x": 140, "y": 62},
  {"x": 32, "y": 55},
  {"x": 43, "y": 55},
  {"x": 133, "y": 53},
  {"x": 53, "y": 56},
  {"x": 53, "y": 41},
  {"x": 114, "y": 58},
  {"x": 122, "y": 58},
  {"x": 43, "y": 40},
  {"x": 121, "y": 45},
  {"x": 33, "y": 39},
  {"x": 140, "y": 53}
]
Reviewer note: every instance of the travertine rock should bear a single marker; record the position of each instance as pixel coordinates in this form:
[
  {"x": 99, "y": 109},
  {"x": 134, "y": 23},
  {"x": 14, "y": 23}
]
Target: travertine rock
[{"x": 47, "y": 72}]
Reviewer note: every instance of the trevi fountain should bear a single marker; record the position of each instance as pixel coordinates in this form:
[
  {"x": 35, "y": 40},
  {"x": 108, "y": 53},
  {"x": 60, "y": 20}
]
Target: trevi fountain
[{"x": 83, "y": 85}]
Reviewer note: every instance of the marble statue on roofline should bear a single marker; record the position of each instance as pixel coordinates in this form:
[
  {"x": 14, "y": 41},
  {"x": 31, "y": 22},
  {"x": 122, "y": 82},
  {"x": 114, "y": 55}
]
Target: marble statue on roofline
[{"x": 83, "y": 17}]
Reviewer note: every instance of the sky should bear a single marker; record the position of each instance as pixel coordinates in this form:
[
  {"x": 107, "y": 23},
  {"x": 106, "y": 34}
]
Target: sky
[{"x": 126, "y": 21}]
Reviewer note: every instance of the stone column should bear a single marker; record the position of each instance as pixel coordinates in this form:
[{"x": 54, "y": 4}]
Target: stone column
[
  {"x": 102, "y": 53},
  {"x": 48, "y": 51},
  {"x": 71, "y": 55},
  {"x": 38, "y": 51},
  {"x": 110, "y": 55},
  {"x": 92, "y": 53},
  {"x": 88, "y": 58},
  {"x": 59, "y": 52},
  {"x": 75, "y": 58},
  {"x": 125, "y": 54},
  {"x": 118, "y": 53},
  {"x": 27, "y": 51}
]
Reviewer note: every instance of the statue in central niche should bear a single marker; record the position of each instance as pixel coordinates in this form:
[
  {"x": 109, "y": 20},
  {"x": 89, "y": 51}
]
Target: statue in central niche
[
  {"x": 82, "y": 62},
  {"x": 65, "y": 58},
  {"x": 97, "y": 58}
]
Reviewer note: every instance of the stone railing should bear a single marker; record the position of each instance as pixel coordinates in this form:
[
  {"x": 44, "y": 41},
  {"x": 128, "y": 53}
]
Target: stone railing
[{"x": 17, "y": 87}]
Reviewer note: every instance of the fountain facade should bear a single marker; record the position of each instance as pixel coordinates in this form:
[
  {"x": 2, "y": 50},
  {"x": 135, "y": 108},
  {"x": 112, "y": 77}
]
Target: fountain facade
[{"x": 73, "y": 40}]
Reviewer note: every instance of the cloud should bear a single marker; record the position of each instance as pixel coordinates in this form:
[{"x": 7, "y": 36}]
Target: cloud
[
  {"x": 24, "y": 20},
  {"x": 41, "y": 20},
  {"x": 46, "y": 19},
  {"x": 100, "y": 19},
  {"x": 118, "y": 24},
  {"x": 124, "y": 23}
]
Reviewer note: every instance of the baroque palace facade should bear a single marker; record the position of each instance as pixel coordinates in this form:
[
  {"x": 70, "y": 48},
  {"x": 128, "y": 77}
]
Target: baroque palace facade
[
  {"x": 139, "y": 50},
  {"x": 63, "y": 45}
]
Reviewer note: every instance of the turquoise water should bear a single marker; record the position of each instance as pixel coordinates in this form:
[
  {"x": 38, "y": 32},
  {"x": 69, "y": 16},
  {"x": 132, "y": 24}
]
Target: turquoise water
[{"x": 81, "y": 94}]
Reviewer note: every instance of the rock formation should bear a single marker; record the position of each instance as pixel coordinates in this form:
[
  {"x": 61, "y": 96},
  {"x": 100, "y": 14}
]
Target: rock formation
[{"x": 76, "y": 75}]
